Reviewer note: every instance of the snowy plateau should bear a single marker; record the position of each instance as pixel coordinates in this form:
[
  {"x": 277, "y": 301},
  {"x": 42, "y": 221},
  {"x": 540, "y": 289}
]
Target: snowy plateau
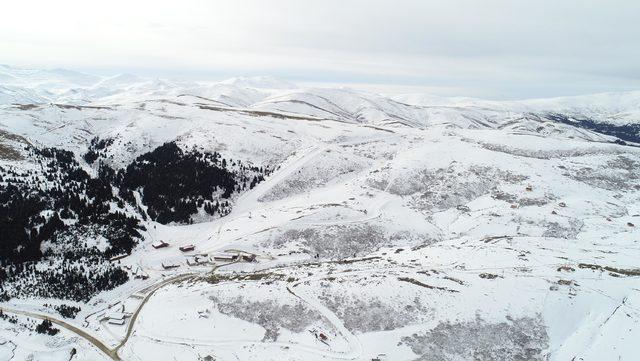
[{"x": 254, "y": 219}]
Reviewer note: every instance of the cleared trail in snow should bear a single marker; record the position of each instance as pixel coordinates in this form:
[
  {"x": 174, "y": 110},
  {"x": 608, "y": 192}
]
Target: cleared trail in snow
[{"x": 250, "y": 201}]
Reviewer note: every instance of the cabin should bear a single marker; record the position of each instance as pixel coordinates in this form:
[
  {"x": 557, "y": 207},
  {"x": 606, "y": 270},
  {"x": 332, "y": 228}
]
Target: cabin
[
  {"x": 116, "y": 306},
  {"x": 170, "y": 265},
  {"x": 115, "y": 321},
  {"x": 249, "y": 257},
  {"x": 321, "y": 336},
  {"x": 225, "y": 257},
  {"x": 196, "y": 260},
  {"x": 159, "y": 244},
  {"x": 117, "y": 318},
  {"x": 187, "y": 248},
  {"x": 138, "y": 273}
]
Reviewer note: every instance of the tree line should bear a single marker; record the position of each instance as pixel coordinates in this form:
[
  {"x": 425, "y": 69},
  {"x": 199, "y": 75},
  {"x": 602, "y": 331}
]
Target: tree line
[{"x": 52, "y": 211}]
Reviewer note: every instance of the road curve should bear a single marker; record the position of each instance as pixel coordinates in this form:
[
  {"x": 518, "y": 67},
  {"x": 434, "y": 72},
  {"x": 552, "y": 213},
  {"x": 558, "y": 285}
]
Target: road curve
[{"x": 112, "y": 354}]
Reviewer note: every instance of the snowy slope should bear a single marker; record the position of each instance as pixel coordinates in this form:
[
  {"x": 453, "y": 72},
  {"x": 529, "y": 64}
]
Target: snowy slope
[
  {"x": 52, "y": 79},
  {"x": 17, "y": 95},
  {"x": 392, "y": 227},
  {"x": 616, "y": 108}
]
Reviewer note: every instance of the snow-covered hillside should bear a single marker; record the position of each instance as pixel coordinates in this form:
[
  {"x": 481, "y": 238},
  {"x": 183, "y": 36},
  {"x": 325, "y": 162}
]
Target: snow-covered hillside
[{"x": 252, "y": 219}]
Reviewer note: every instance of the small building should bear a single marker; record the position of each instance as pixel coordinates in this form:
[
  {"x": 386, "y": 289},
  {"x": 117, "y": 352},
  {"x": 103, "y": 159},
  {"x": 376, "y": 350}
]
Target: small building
[
  {"x": 159, "y": 244},
  {"x": 249, "y": 257},
  {"x": 170, "y": 265},
  {"x": 115, "y": 321},
  {"x": 197, "y": 260},
  {"x": 139, "y": 274},
  {"x": 529, "y": 188},
  {"x": 117, "y": 318},
  {"x": 187, "y": 248},
  {"x": 320, "y": 336},
  {"x": 225, "y": 257},
  {"x": 117, "y": 307}
]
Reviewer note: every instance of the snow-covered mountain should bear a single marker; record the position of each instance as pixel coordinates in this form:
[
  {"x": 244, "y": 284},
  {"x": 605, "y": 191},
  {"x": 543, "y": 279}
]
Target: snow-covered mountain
[
  {"x": 50, "y": 80},
  {"x": 618, "y": 108},
  {"x": 10, "y": 94},
  {"x": 259, "y": 82},
  {"x": 264, "y": 93},
  {"x": 254, "y": 219}
]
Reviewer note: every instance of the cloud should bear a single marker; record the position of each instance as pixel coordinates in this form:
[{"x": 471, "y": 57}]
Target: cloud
[{"x": 495, "y": 48}]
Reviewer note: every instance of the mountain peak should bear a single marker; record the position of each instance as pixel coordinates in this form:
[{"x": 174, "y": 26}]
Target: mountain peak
[{"x": 260, "y": 82}]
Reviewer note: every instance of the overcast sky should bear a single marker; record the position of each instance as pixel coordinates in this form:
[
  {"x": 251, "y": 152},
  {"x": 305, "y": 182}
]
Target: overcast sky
[{"x": 488, "y": 48}]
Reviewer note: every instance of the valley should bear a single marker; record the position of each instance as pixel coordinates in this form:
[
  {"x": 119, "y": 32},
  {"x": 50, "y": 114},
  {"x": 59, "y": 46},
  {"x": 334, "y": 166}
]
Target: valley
[{"x": 315, "y": 223}]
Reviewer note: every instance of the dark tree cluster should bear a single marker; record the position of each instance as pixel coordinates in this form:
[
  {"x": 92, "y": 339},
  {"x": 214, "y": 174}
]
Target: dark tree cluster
[
  {"x": 72, "y": 278},
  {"x": 624, "y": 133},
  {"x": 96, "y": 149},
  {"x": 20, "y": 211},
  {"x": 51, "y": 213},
  {"x": 67, "y": 311},
  {"x": 10, "y": 319},
  {"x": 175, "y": 184},
  {"x": 46, "y": 327},
  {"x": 35, "y": 208},
  {"x": 58, "y": 202}
]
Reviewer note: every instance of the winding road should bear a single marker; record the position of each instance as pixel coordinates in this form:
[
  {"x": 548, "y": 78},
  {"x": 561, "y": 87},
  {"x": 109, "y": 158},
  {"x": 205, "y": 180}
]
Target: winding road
[
  {"x": 111, "y": 353},
  {"x": 244, "y": 204}
]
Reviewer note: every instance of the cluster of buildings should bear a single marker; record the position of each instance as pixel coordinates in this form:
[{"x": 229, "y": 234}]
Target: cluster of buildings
[
  {"x": 200, "y": 259},
  {"x": 116, "y": 316},
  {"x": 193, "y": 259}
]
